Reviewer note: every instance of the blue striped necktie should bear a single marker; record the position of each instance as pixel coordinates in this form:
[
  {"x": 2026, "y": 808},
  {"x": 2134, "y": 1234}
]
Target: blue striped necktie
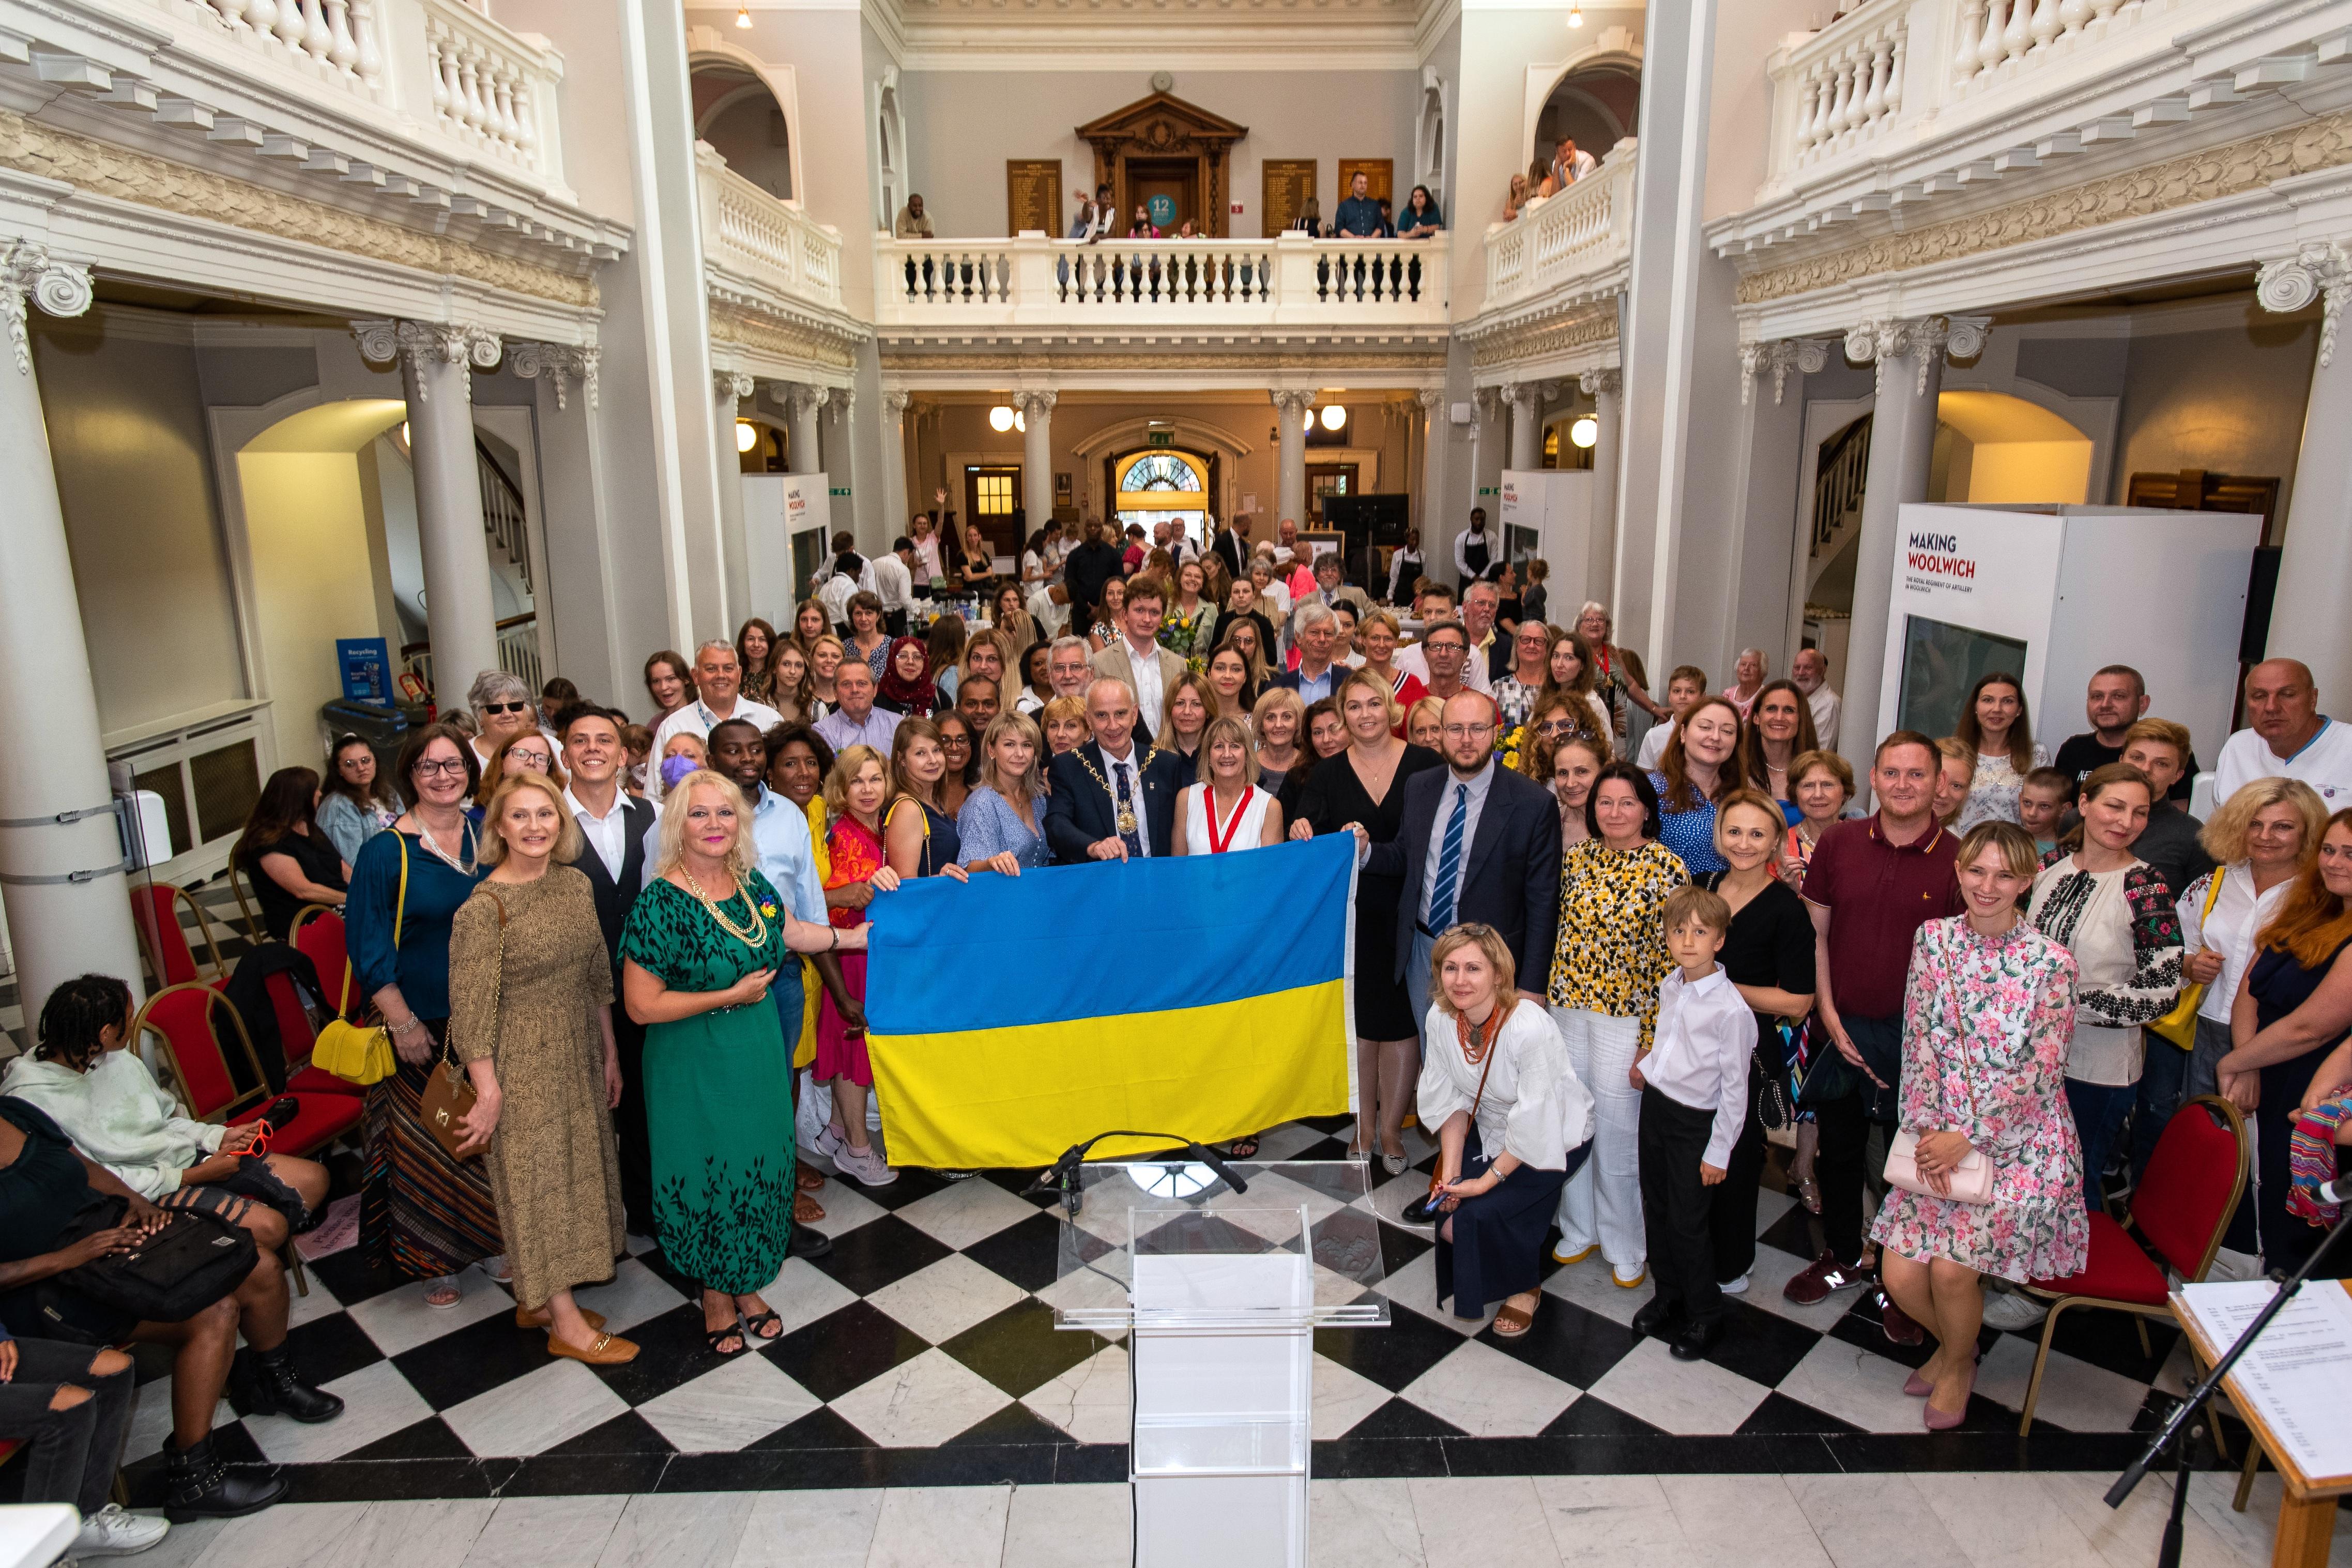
[{"x": 1449, "y": 864}]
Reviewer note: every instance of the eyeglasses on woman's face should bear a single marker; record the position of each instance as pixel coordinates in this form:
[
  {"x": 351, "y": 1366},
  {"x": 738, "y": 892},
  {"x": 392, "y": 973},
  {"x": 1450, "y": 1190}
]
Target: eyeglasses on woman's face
[{"x": 427, "y": 768}]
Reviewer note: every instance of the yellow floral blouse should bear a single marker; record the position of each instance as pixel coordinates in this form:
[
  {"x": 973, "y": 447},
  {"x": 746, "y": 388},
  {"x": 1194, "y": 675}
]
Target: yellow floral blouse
[{"x": 1612, "y": 951}]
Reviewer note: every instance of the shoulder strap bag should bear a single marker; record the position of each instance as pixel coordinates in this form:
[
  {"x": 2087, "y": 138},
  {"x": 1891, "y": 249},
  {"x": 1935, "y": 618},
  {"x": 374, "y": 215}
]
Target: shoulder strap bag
[
  {"x": 1972, "y": 1181},
  {"x": 2180, "y": 1025},
  {"x": 1424, "y": 1210},
  {"x": 361, "y": 1054},
  {"x": 449, "y": 1098}
]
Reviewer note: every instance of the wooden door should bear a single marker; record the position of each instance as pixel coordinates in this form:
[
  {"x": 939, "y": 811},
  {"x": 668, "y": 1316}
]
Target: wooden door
[
  {"x": 1174, "y": 181},
  {"x": 990, "y": 495}
]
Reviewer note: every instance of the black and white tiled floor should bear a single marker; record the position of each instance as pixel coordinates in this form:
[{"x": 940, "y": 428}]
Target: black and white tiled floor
[{"x": 923, "y": 1352}]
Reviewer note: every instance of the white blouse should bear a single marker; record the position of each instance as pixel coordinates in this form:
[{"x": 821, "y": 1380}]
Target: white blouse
[{"x": 1535, "y": 1108}]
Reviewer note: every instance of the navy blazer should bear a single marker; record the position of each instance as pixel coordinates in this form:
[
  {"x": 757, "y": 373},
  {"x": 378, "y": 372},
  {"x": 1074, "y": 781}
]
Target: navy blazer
[
  {"x": 1510, "y": 878},
  {"x": 1080, "y": 811}
]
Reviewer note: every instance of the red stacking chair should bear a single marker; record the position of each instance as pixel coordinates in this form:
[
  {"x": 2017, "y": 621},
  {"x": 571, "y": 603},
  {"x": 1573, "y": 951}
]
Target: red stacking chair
[
  {"x": 186, "y": 1018},
  {"x": 155, "y": 909},
  {"x": 2179, "y": 1209},
  {"x": 318, "y": 935}
]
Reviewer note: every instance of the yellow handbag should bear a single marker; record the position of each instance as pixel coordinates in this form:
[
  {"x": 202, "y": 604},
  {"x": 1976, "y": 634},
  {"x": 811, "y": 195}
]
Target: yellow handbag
[
  {"x": 361, "y": 1054},
  {"x": 2180, "y": 1025}
]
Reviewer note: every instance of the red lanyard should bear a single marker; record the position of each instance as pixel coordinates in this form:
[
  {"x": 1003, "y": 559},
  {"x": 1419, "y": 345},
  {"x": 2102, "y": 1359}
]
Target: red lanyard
[{"x": 1220, "y": 842}]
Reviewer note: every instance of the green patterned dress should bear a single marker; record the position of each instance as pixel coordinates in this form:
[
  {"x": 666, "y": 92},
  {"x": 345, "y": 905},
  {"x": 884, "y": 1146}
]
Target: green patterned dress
[{"x": 718, "y": 1090}]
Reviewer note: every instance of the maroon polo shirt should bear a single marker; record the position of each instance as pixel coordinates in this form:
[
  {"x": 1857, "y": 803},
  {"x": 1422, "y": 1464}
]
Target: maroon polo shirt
[{"x": 1878, "y": 895}]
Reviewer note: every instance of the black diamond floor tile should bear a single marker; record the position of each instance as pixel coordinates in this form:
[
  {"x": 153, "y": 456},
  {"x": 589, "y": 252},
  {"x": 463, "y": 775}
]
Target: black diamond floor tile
[
  {"x": 1028, "y": 1253},
  {"x": 472, "y": 1360},
  {"x": 1574, "y": 1345},
  {"x": 1392, "y": 1356},
  {"x": 1019, "y": 1348},
  {"x": 880, "y": 1252},
  {"x": 844, "y": 1350}
]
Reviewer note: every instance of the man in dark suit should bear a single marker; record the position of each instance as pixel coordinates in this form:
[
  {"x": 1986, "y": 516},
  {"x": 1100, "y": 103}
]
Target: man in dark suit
[
  {"x": 1478, "y": 843},
  {"x": 1112, "y": 801},
  {"x": 618, "y": 829},
  {"x": 1231, "y": 545}
]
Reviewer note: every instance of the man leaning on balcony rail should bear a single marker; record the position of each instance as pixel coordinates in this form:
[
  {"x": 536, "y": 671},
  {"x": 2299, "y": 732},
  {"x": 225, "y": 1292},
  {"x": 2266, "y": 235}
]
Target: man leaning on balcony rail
[
  {"x": 913, "y": 222},
  {"x": 1359, "y": 216},
  {"x": 1569, "y": 163}
]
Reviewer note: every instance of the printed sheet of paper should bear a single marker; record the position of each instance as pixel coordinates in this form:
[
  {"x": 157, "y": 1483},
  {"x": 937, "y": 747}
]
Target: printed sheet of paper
[{"x": 2298, "y": 1375}]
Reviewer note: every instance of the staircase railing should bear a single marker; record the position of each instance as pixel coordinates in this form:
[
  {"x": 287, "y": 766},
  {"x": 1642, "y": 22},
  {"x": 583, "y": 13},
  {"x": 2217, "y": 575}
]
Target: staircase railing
[
  {"x": 519, "y": 648},
  {"x": 503, "y": 517},
  {"x": 1838, "y": 480}
]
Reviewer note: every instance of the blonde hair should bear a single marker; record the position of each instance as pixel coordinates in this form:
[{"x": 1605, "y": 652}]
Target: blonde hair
[
  {"x": 1225, "y": 724},
  {"x": 2224, "y": 834},
  {"x": 1072, "y": 709},
  {"x": 1369, "y": 681},
  {"x": 846, "y": 768},
  {"x": 2164, "y": 732},
  {"x": 1280, "y": 698},
  {"x": 2019, "y": 854},
  {"x": 1032, "y": 784},
  {"x": 1757, "y": 800},
  {"x": 1010, "y": 676},
  {"x": 673, "y": 823},
  {"x": 1487, "y": 940},
  {"x": 1413, "y": 714},
  {"x": 568, "y": 839}
]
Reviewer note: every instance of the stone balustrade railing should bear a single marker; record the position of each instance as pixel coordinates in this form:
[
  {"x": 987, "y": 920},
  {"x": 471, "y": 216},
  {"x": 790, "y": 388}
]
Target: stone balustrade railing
[
  {"x": 1033, "y": 279},
  {"x": 1567, "y": 240},
  {"x": 763, "y": 239}
]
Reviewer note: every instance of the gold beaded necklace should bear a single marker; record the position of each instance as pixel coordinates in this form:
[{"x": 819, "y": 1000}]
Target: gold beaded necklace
[{"x": 753, "y": 936}]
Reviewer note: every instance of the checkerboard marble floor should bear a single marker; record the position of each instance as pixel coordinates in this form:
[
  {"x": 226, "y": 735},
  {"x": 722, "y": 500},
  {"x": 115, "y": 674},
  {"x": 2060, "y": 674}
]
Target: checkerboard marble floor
[{"x": 923, "y": 1352}]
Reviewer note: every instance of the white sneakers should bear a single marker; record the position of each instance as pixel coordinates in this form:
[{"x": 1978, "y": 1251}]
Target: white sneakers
[
  {"x": 111, "y": 1533},
  {"x": 1736, "y": 1287},
  {"x": 863, "y": 1166},
  {"x": 2014, "y": 1311}
]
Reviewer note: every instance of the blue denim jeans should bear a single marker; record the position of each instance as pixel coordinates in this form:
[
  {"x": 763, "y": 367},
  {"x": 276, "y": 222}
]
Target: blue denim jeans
[
  {"x": 2163, "y": 1088},
  {"x": 2099, "y": 1110}
]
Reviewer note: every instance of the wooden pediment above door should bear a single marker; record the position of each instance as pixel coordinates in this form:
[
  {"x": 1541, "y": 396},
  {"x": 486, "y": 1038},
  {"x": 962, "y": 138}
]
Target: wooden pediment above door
[{"x": 1163, "y": 130}]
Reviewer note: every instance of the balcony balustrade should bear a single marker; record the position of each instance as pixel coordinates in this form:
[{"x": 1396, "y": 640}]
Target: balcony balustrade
[
  {"x": 1579, "y": 240},
  {"x": 759, "y": 239}
]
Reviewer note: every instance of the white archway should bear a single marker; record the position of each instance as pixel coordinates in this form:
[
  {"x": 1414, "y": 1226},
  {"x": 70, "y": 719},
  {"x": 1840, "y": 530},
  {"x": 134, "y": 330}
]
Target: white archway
[
  {"x": 1619, "y": 48},
  {"x": 709, "y": 45},
  {"x": 1195, "y": 434}
]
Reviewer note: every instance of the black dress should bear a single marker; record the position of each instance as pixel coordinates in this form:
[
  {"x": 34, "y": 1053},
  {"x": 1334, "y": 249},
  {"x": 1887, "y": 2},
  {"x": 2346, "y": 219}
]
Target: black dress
[
  {"x": 318, "y": 860},
  {"x": 1770, "y": 944},
  {"x": 1333, "y": 797},
  {"x": 2280, "y": 986}
]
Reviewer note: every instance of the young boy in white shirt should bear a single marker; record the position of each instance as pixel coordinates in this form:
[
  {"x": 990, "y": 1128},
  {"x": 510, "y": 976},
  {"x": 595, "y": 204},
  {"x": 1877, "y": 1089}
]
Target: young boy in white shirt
[{"x": 1694, "y": 1083}]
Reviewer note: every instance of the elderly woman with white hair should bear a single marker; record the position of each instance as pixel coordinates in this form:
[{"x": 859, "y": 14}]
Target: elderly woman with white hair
[
  {"x": 706, "y": 971},
  {"x": 502, "y": 706},
  {"x": 1619, "y": 679}
]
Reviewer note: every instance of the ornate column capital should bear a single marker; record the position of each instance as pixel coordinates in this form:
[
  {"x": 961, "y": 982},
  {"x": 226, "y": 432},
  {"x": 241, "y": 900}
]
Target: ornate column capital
[
  {"x": 802, "y": 400},
  {"x": 1779, "y": 356},
  {"x": 732, "y": 387},
  {"x": 1430, "y": 399},
  {"x": 1918, "y": 339},
  {"x": 28, "y": 271},
  {"x": 2318, "y": 269},
  {"x": 846, "y": 401},
  {"x": 560, "y": 363},
  {"x": 1036, "y": 404},
  {"x": 418, "y": 343},
  {"x": 1292, "y": 405},
  {"x": 1605, "y": 379},
  {"x": 895, "y": 403}
]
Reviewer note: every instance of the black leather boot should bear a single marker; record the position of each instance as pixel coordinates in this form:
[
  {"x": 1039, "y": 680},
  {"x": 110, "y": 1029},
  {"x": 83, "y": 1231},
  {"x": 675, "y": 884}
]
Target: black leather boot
[
  {"x": 199, "y": 1484},
  {"x": 268, "y": 1387}
]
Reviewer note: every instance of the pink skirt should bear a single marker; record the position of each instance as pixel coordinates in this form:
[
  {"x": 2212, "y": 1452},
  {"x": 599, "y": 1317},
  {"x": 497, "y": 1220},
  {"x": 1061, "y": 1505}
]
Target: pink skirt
[{"x": 839, "y": 1053}]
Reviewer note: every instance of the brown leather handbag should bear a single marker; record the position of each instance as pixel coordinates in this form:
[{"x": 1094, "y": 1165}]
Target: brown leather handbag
[{"x": 450, "y": 1094}]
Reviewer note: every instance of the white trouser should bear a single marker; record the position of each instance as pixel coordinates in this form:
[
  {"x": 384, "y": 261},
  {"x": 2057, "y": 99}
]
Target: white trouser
[{"x": 1602, "y": 1202}]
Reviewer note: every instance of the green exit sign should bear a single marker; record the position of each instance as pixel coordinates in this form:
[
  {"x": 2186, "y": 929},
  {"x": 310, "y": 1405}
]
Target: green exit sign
[
  {"x": 841, "y": 489},
  {"x": 1490, "y": 489},
  {"x": 1160, "y": 437}
]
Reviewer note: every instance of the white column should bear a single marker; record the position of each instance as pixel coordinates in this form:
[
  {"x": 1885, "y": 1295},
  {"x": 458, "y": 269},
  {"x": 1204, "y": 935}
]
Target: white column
[
  {"x": 895, "y": 513},
  {"x": 437, "y": 367},
  {"x": 728, "y": 390},
  {"x": 2307, "y": 619},
  {"x": 581, "y": 596},
  {"x": 1604, "y": 387},
  {"x": 60, "y": 856},
  {"x": 800, "y": 403},
  {"x": 1910, "y": 357},
  {"x": 1290, "y": 412},
  {"x": 1036, "y": 460},
  {"x": 1526, "y": 399},
  {"x": 1433, "y": 429},
  {"x": 1765, "y": 592}
]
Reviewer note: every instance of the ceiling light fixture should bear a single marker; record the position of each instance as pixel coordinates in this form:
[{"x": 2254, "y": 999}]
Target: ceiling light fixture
[
  {"x": 1585, "y": 431},
  {"x": 743, "y": 17},
  {"x": 1020, "y": 422},
  {"x": 1000, "y": 418},
  {"x": 1335, "y": 417},
  {"x": 746, "y": 435},
  {"x": 1575, "y": 16}
]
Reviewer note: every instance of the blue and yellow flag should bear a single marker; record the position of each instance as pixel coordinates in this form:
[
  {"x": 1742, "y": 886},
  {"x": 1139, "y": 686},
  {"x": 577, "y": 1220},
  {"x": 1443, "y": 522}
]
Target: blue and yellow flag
[{"x": 1202, "y": 995}]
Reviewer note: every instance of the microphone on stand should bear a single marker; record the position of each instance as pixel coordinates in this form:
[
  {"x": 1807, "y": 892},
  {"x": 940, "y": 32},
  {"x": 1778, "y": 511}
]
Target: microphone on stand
[{"x": 1062, "y": 1176}]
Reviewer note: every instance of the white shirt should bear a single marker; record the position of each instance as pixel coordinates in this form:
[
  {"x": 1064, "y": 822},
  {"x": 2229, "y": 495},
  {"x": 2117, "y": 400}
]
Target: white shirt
[
  {"x": 1149, "y": 692},
  {"x": 1132, "y": 765},
  {"x": 894, "y": 585},
  {"x": 2324, "y": 763},
  {"x": 1412, "y": 660},
  {"x": 834, "y": 593},
  {"x": 1535, "y": 1108},
  {"x": 1478, "y": 790},
  {"x": 2238, "y": 915},
  {"x": 1654, "y": 744},
  {"x": 608, "y": 835},
  {"x": 1825, "y": 704},
  {"x": 1705, "y": 1036},
  {"x": 697, "y": 718}
]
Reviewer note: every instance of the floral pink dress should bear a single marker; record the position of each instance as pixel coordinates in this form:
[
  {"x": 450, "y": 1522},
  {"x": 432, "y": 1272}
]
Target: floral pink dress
[{"x": 1985, "y": 1021}]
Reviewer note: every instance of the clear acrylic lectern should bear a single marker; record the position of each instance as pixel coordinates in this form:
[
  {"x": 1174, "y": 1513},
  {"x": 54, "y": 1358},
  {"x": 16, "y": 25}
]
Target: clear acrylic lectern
[{"x": 1220, "y": 1292}]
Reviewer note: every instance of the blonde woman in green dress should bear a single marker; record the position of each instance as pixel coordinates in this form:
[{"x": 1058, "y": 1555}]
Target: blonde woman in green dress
[{"x": 707, "y": 973}]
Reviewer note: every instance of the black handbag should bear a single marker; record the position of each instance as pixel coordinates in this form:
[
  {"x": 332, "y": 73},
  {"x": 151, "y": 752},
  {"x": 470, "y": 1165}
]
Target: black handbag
[
  {"x": 192, "y": 1261},
  {"x": 1819, "y": 1068}
]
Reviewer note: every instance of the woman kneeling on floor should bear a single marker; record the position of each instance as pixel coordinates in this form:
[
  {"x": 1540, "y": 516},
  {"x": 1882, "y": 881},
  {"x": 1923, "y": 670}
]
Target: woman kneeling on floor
[{"x": 1495, "y": 1077}]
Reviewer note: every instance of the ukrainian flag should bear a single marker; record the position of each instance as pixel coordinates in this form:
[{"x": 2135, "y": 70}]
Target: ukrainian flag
[{"x": 1202, "y": 995}]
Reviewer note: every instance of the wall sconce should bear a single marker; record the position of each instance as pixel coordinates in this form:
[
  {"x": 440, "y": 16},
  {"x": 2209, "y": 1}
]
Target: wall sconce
[
  {"x": 1000, "y": 418},
  {"x": 746, "y": 435}
]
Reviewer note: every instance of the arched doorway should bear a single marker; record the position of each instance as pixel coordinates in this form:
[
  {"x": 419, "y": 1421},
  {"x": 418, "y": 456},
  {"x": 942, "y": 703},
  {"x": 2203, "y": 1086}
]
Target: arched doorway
[
  {"x": 740, "y": 115},
  {"x": 1994, "y": 448},
  {"x": 1164, "y": 484},
  {"x": 1597, "y": 102}
]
